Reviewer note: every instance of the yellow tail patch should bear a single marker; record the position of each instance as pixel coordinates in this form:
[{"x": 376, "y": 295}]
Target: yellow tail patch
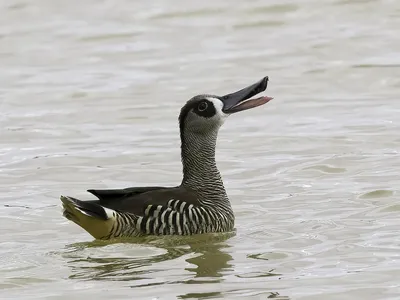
[{"x": 96, "y": 227}]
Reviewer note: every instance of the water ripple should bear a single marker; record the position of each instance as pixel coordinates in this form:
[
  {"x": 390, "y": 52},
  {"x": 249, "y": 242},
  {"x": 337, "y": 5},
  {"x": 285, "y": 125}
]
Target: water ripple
[{"x": 90, "y": 99}]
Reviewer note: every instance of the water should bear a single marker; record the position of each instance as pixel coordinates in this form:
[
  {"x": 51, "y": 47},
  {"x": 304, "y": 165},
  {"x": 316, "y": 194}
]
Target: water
[{"x": 90, "y": 94}]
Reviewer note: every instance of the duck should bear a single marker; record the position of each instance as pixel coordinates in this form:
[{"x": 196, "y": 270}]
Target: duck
[{"x": 198, "y": 205}]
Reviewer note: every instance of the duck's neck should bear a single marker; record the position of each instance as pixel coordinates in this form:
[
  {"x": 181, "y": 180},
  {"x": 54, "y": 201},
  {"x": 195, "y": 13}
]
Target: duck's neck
[{"x": 200, "y": 171}]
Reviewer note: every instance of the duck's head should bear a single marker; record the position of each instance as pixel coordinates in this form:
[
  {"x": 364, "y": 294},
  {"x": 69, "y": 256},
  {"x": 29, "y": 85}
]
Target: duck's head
[{"x": 204, "y": 114}]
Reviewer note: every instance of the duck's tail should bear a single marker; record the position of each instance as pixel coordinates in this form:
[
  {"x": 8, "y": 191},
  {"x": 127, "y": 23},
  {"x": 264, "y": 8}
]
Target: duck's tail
[{"x": 94, "y": 218}]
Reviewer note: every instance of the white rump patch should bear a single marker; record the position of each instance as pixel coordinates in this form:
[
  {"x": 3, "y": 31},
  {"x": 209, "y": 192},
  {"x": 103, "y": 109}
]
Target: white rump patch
[{"x": 109, "y": 212}]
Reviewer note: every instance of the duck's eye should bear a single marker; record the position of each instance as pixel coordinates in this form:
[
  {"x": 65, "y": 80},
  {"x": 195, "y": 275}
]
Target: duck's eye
[{"x": 202, "y": 106}]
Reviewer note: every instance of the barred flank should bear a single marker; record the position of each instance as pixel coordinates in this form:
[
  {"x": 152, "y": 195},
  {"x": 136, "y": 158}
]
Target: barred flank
[{"x": 178, "y": 218}]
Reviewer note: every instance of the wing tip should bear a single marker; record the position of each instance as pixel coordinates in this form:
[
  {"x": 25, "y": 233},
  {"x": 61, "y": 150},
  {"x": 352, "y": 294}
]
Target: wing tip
[{"x": 94, "y": 193}]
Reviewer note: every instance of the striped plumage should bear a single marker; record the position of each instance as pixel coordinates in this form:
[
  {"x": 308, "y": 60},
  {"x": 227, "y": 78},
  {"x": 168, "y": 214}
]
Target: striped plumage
[
  {"x": 177, "y": 217},
  {"x": 198, "y": 205}
]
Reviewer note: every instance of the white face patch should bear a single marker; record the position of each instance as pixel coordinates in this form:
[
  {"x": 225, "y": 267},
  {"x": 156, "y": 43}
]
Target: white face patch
[{"x": 218, "y": 107}]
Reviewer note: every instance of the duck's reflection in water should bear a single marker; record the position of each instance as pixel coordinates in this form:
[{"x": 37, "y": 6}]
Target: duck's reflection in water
[{"x": 119, "y": 260}]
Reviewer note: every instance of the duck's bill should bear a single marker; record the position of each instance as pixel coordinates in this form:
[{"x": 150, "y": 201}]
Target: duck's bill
[{"x": 241, "y": 100}]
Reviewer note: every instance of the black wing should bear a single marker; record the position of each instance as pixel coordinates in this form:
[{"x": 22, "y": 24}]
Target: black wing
[
  {"x": 105, "y": 196},
  {"x": 136, "y": 200}
]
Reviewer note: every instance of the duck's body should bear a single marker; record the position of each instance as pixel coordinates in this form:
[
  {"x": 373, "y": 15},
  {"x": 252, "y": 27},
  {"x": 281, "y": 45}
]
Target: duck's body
[
  {"x": 199, "y": 205},
  {"x": 147, "y": 211}
]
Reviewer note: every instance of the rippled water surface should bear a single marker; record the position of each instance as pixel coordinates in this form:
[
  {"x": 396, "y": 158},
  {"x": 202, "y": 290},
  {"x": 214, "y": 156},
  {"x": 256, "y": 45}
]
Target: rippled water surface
[{"x": 90, "y": 93}]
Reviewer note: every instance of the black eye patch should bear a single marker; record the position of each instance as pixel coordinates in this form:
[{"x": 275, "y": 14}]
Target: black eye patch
[{"x": 204, "y": 108}]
